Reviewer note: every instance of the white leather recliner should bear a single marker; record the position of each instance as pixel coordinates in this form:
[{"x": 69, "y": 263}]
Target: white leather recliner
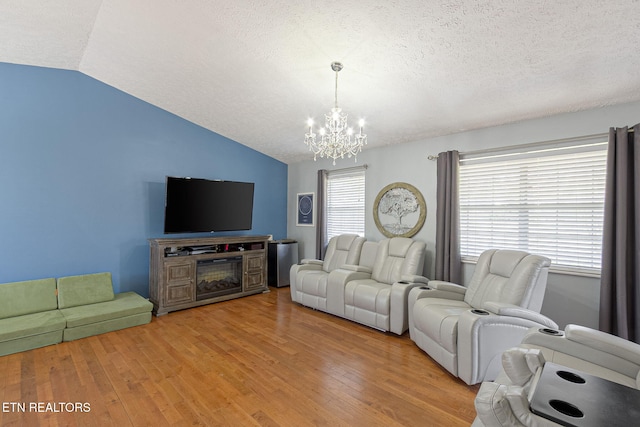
[
  {"x": 308, "y": 280},
  {"x": 506, "y": 401},
  {"x": 377, "y": 297},
  {"x": 466, "y": 329}
]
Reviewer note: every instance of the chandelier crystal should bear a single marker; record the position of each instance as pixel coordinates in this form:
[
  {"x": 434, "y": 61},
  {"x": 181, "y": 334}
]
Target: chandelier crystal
[{"x": 336, "y": 137}]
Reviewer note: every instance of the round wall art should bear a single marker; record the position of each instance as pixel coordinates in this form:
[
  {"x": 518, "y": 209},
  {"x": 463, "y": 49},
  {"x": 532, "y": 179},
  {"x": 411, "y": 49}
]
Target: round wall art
[{"x": 399, "y": 210}]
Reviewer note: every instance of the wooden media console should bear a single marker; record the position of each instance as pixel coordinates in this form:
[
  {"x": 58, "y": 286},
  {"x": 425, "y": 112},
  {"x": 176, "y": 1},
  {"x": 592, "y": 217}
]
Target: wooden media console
[{"x": 187, "y": 272}]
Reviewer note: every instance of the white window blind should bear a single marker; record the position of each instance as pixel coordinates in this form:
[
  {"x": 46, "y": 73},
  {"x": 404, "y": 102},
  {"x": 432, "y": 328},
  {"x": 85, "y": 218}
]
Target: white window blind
[
  {"x": 548, "y": 200},
  {"x": 345, "y": 202}
]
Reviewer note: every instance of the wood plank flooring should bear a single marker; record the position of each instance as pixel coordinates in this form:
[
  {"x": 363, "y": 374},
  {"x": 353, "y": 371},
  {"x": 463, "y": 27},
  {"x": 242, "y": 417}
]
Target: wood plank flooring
[{"x": 255, "y": 361}]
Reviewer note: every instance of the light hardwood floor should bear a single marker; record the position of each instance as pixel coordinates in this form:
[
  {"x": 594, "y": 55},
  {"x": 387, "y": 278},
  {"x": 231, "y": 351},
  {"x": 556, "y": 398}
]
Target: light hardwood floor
[{"x": 258, "y": 360}]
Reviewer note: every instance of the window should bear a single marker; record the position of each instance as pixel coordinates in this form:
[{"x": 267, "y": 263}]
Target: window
[
  {"x": 547, "y": 200},
  {"x": 345, "y": 202}
]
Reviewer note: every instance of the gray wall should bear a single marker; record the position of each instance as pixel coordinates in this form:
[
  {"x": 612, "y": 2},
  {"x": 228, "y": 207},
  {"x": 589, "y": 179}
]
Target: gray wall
[{"x": 569, "y": 299}]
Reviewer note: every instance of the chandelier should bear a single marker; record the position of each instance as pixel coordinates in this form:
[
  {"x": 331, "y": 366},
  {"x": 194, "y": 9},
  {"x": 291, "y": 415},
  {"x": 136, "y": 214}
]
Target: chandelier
[{"x": 336, "y": 138}]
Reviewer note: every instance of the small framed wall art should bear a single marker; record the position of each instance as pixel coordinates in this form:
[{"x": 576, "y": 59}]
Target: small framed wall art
[{"x": 305, "y": 210}]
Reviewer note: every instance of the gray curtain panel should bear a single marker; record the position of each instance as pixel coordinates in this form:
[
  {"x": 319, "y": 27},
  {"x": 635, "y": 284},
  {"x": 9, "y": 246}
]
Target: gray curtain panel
[
  {"x": 321, "y": 214},
  {"x": 448, "y": 264},
  {"x": 620, "y": 276}
]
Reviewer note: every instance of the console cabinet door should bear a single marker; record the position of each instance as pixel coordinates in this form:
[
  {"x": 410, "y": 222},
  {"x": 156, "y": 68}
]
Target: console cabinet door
[
  {"x": 254, "y": 274},
  {"x": 180, "y": 282}
]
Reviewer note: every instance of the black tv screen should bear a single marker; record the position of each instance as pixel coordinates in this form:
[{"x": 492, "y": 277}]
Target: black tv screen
[{"x": 201, "y": 205}]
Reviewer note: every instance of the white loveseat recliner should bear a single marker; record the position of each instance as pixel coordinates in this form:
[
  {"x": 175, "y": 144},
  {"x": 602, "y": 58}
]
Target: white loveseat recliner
[
  {"x": 308, "y": 280},
  {"x": 376, "y": 296},
  {"x": 466, "y": 329},
  {"x": 505, "y": 401}
]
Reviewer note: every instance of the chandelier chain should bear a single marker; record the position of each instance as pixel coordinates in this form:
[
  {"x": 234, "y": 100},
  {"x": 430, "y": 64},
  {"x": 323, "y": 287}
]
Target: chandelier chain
[{"x": 335, "y": 97}]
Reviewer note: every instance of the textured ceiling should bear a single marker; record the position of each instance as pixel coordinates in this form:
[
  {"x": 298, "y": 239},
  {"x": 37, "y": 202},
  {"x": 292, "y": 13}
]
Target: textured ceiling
[{"x": 254, "y": 71}]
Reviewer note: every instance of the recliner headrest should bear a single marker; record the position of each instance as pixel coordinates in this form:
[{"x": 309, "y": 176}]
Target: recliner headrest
[
  {"x": 344, "y": 241},
  {"x": 503, "y": 262},
  {"x": 399, "y": 246}
]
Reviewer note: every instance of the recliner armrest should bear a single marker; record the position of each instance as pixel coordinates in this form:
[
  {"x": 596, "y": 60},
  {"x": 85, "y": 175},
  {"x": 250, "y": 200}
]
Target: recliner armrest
[
  {"x": 604, "y": 342},
  {"x": 311, "y": 261},
  {"x": 447, "y": 286},
  {"x": 599, "y": 348},
  {"x": 399, "y": 300},
  {"x": 413, "y": 278},
  {"x": 511, "y": 310},
  {"x": 428, "y": 291},
  {"x": 307, "y": 267},
  {"x": 491, "y": 331},
  {"x": 358, "y": 268}
]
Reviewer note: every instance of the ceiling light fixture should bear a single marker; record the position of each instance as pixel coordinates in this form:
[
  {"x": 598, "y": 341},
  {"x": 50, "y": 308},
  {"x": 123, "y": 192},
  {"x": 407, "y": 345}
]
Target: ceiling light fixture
[{"x": 336, "y": 136}]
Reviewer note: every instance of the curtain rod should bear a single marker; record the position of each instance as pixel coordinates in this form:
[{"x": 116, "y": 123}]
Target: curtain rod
[
  {"x": 630, "y": 129},
  {"x": 525, "y": 146}
]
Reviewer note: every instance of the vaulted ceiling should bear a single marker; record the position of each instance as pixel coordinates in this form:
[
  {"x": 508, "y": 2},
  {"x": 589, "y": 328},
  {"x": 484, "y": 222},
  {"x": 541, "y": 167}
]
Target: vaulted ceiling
[{"x": 255, "y": 70}]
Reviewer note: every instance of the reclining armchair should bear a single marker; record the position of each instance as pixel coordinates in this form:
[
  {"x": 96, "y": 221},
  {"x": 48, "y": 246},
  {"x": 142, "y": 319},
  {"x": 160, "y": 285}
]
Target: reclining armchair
[
  {"x": 466, "y": 329},
  {"x": 506, "y": 401},
  {"x": 377, "y": 296},
  {"x": 308, "y": 280}
]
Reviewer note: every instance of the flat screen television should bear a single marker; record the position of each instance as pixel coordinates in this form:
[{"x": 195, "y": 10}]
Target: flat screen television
[{"x": 200, "y": 205}]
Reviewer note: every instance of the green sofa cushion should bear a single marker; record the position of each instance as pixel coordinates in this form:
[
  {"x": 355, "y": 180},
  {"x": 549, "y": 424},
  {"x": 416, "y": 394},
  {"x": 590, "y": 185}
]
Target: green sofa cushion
[
  {"x": 124, "y": 304},
  {"x": 31, "y": 342},
  {"x": 32, "y": 296},
  {"x": 76, "y": 291},
  {"x": 31, "y": 324},
  {"x": 92, "y": 329}
]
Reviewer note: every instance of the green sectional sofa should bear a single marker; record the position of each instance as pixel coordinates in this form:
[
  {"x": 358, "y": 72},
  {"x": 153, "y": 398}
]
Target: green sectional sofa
[{"x": 42, "y": 312}]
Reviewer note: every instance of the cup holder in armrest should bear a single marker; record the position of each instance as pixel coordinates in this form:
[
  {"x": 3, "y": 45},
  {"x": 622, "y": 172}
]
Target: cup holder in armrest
[
  {"x": 566, "y": 408},
  {"x": 403, "y": 282},
  {"x": 571, "y": 377},
  {"x": 480, "y": 312},
  {"x": 550, "y": 331},
  {"x": 426, "y": 288}
]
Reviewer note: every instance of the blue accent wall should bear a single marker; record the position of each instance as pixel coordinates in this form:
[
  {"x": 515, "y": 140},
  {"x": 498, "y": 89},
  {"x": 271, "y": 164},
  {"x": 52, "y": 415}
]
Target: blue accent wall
[{"x": 82, "y": 176}]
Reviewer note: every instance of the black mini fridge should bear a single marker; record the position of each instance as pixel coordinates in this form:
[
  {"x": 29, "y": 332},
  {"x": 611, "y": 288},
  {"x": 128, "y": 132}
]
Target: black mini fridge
[{"x": 281, "y": 256}]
